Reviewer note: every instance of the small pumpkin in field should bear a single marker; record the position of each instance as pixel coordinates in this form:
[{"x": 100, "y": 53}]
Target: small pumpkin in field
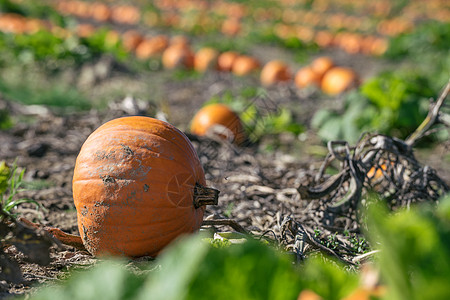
[
  {"x": 85, "y": 30},
  {"x": 275, "y": 71},
  {"x": 178, "y": 55},
  {"x": 306, "y": 77},
  {"x": 226, "y": 59},
  {"x": 100, "y": 12},
  {"x": 244, "y": 65},
  {"x": 80, "y": 9},
  {"x": 362, "y": 293},
  {"x": 337, "y": 80},
  {"x": 180, "y": 40},
  {"x": 321, "y": 65},
  {"x": 323, "y": 38},
  {"x": 131, "y": 39},
  {"x": 220, "y": 120},
  {"x": 125, "y": 14},
  {"x": 138, "y": 184},
  {"x": 308, "y": 295},
  {"x": 205, "y": 58},
  {"x": 231, "y": 26},
  {"x": 152, "y": 46}
]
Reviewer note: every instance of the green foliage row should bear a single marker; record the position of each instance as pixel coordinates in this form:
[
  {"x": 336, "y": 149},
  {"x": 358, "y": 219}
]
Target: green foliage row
[
  {"x": 29, "y": 92},
  {"x": 414, "y": 250},
  {"x": 31, "y": 64},
  {"x": 50, "y": 55},
  {"x": 44, "y": 46}
]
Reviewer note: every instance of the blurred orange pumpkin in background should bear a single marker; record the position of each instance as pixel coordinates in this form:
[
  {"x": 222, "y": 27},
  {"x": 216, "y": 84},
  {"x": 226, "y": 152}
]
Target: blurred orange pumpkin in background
[
  {"x": 321, "y": 65},
  {"x": 131, "y": 39},
  {"x": 152, "y": 46},
  {"x": 337, "y": 80},
  {"x": 306, "y": 77},
  {"x": 226, "y": 59},
  {"x": 177, "y": 56},
  {"x": 205, "y": 59},
  {"x": 244, "y": 65},
  {"x": 218, "y": 119},
  {"x": 275, "y": 71}
]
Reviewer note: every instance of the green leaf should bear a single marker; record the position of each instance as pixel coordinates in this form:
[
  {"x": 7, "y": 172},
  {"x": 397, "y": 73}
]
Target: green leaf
[
  {"x": 107, "y": 280},
  {"x": 179, "y": 265},
  {"x": 386, "y": 90},
  {"x": 5, "y": 172},
  {"x": 331, "y": 130},
  {"x": 328, "y": 278},
  {"x": 195, "y": 270},
  {"x": 247, "y": 271},
  {"x": 320, "y": 118},
  {"x": 415, "y": 247},
  {"x": 10, "y": 205}
]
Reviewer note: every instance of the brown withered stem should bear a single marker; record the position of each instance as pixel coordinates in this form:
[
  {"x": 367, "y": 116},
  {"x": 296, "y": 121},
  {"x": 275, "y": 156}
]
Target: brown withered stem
[
  {"x": 205, "y": 196},
  {"x": 434, "y": 116}
]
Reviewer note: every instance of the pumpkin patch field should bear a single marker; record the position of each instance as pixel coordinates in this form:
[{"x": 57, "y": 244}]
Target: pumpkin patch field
[{"x": 195, "y": 149}]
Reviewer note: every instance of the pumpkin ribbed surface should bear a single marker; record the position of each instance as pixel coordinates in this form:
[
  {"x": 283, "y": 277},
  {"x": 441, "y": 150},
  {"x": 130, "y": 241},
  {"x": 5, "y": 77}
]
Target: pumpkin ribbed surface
[{"x": 133, "y": 187}]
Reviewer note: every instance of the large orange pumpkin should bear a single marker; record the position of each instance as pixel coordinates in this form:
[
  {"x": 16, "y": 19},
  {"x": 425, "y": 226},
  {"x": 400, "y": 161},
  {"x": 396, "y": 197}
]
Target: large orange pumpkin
[
  {"x": 138, "y": 184},
  {"x": 218, "y": 119}
]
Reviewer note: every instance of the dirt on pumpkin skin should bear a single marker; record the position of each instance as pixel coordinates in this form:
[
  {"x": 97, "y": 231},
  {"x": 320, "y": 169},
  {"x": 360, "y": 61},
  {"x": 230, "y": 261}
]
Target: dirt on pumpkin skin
[{"x": 257, "y": 189}]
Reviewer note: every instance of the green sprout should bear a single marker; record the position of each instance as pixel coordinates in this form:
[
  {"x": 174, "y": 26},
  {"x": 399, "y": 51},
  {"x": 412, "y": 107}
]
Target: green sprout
[{"x": 11, "y": 181}]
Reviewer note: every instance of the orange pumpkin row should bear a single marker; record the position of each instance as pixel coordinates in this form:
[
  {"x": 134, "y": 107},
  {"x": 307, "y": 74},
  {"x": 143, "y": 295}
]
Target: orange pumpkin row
[
  {"x": 321, "y": 24},
  {"x": 122, "y": 14},
  {"x": 321, "y": 72},
  {"x": 177, "y": 53},
  {"x": 17, "y": 24},
  {"x": 128, "y": 14},
  {"x": 348, "y": 41}
]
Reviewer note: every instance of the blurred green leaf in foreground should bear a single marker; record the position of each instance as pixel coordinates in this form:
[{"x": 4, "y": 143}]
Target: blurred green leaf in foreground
[
  {"x": 415, "y": 250},
  {"x": 193, "y": 269},
  {"x": 414, "y": 262}
]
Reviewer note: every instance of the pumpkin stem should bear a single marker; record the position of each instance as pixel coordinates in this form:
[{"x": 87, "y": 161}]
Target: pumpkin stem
[{"x": 205, "y": 196}]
